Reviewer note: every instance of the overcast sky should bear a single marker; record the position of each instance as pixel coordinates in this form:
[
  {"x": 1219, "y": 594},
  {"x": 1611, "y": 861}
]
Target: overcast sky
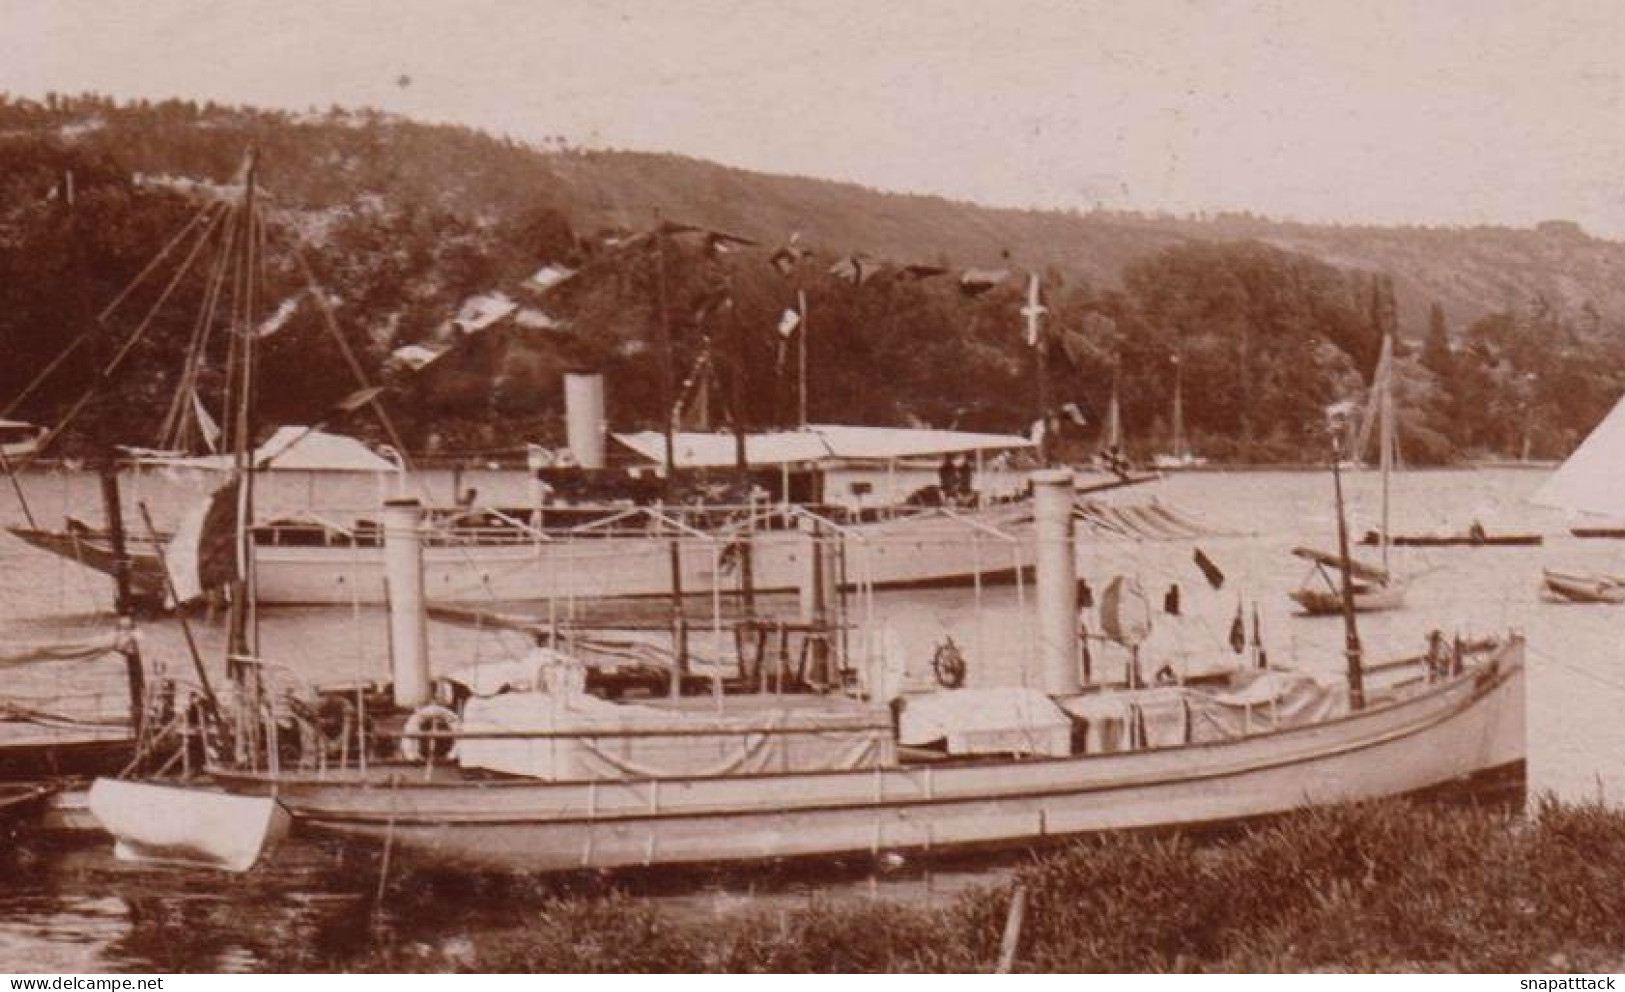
[{"x": 1445, "y": 112}]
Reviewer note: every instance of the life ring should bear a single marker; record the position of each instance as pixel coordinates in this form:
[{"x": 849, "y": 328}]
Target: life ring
[
  {"x": 431, "y": 719},
  {"x": 948, "y": 662}
]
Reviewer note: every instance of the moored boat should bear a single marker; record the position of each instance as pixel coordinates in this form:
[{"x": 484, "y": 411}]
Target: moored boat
[
  {"x": 520, "y": 770},
  {"x": 1583, "y": 587},
  {"x": 1589, "y": 482},
  {"x": 1374, "y": 589},
  {"x": 1468, "y": 539},
  {"x": 1361, "y": 587}
]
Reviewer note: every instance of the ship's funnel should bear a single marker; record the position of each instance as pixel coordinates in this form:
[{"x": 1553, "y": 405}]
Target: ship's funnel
[
  {"x": 1057, "y": 581},
  {"x": 408, "y": 621},
  {"x": 584, "y": 417}
]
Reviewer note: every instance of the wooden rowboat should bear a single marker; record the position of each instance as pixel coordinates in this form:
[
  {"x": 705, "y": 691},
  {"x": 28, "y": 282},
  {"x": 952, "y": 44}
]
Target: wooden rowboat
[{"x": 1583, "y": 587}]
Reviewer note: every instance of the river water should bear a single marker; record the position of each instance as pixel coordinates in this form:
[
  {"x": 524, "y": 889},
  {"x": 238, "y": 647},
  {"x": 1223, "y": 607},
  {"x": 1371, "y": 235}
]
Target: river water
[{"x": 79, "y": 910}]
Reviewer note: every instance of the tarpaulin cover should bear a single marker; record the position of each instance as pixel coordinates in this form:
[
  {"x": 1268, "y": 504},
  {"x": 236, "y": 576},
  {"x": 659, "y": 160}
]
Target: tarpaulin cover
[
  {"x": 591, "y": 739},
  {"x": 987, "y": 721}
]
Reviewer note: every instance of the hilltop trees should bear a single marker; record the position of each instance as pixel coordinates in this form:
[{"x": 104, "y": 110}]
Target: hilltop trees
[{"x": 403, "y": 222}]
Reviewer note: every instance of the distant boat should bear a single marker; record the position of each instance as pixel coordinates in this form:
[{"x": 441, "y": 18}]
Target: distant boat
[
  {"x": 1375, "y": 587},
  {"x": 1181, "y": 457},
  {"x": 1590, "y": 481},
  {"x": 1583, "y": 587},
  {"x": 1470, "y": 539}
]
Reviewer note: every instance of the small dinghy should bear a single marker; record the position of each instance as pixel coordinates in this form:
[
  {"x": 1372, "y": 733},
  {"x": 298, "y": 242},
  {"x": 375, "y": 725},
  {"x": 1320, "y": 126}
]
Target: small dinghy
[
  {"x": 178, "y": 825},
  {"x": 1583, "y": 587}
]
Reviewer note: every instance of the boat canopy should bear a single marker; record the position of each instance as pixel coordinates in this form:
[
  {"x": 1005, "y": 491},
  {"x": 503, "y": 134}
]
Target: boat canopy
[
  {"x": 1592, "y": 480},
  {"x": 1358, "y": 569},
  {"x": 817, "y": 444},
  {"x": 293, "y": 448}
]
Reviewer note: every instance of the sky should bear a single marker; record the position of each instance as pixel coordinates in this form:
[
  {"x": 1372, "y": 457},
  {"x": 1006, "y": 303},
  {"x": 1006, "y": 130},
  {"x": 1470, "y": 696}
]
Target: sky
[{"x": 1446, "y": 112}]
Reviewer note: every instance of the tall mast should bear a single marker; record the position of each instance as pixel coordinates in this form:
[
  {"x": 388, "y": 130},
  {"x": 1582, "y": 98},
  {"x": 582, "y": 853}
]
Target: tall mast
[
  {"x": 668, "y": 409},
  {"x": 242, "y": 605},
  {"x": 801, "y": 360},
  {"x": 1114, "y": 415},
  {"x": 747, "y": 580},
  {"x": 1179, "y": 407},
  {"x": 1033, "y": 311},
  {"x": 1351, "y": 630},
  {"x": 1385, "y": 410}
]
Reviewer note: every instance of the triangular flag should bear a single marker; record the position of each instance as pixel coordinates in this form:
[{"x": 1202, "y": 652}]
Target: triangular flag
[
  {"x": 205, "y": 423},
  {"x": 784, "y": 260},
  {"x": 855, "y": 269},
  {"x": 1074, "y": 413},
  {"x": 355, "y": 401},
  {"x": 1210, "y": 571}
]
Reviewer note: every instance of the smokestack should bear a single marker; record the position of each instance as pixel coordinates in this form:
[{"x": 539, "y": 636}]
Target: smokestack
[
  {"x": 1057, "y": 581},
  {"x": 584, "y": 417},
  {"x": 408, "y": 621}
]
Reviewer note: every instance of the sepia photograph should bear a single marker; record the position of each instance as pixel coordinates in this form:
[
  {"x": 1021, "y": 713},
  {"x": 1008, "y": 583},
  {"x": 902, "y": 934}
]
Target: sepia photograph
[{"x": 811, "y": 486}]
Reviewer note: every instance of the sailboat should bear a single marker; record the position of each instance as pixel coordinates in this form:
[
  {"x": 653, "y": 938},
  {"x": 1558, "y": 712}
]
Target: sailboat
[
  {"x": 1375, "y": 587},
  {"x": 1182, "y": 456},
  {"x": 1590, "y": 481}
]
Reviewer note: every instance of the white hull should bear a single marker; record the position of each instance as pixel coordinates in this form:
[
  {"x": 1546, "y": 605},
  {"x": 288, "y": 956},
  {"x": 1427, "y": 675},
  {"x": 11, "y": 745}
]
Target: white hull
[
  {"x": 1456, "y": 728},
  {"x": 1372, "y": 599},
  {"x": 924, "y": 550},
  {"x": 1576, "y": 587},
  {"x": 180, "y": 825}
]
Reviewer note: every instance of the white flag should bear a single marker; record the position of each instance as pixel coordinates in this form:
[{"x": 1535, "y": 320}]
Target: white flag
[{"x": 1033, "y": 310}]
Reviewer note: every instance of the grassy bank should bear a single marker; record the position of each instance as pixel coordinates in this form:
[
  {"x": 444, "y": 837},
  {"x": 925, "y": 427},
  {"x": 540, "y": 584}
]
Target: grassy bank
[{"x": 1375, "y": 887}]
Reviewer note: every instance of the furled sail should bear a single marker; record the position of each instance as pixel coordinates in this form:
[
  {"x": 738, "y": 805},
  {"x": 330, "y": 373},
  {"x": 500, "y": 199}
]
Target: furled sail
[
  {"x": 202, "y": 555},
  {"x": 1592, "y": 480}
]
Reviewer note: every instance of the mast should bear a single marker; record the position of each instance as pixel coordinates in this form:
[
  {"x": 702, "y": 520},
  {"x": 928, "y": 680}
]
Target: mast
[
  {"x": 1114, "y": 415},
  {"x": 801, "y": 359},
  {"x": 747, "y": 581},
  {"x": 669, "y": 410},
  {"x": 1385, "y": 410},
  {"x": 1179, "y": 408},
  {"x": 1033, "y": 310},
  {"x": 240, "y": 640},
  {"x": 1351, "y": 630}
]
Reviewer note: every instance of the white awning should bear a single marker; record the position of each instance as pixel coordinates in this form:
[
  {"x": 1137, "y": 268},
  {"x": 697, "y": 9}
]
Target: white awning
[
  {"x": 693, "y": 449},
  {"x": 295, "y": 449},
  {"x": 819, "y": 443},
  {"x": 883, "y": 443}
]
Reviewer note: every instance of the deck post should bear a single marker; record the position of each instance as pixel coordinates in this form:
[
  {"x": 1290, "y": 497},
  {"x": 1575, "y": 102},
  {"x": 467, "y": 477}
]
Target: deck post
[
  {"x": 1057, "y": 579},
  {"x": 408, "y": 623}
]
